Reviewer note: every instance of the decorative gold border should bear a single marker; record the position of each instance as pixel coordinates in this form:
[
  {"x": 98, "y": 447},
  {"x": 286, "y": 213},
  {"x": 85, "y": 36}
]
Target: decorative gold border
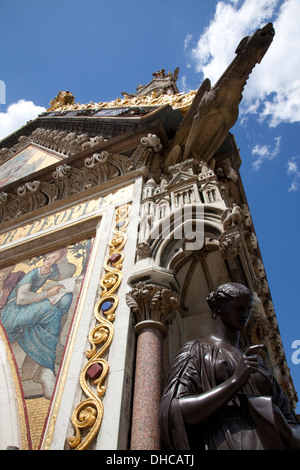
[
  {"x": 88, "y": 414},
  {"x": 70, "y": 346},
  {"x": 54, "y": 406}
]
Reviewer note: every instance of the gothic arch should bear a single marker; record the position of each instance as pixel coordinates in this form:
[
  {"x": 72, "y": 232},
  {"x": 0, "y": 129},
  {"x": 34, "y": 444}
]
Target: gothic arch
[
  {"x": 186, "y": 228},
  {"x": 195, "y": 270}
]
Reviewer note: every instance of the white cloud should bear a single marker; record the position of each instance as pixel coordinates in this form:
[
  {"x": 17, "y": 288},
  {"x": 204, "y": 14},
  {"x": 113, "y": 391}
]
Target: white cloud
[
  {"x": 294, "y": 172},
  {"x": 187, "y": 41},
  {"x": 2, "y": 92},
  {"x": 285, "y": 105},
  {"x": 216, "y": 46},
  {"x": 265, "y": 152},
  {"x": 16, "y": 116},
  {"x": 273, "y": 89},
  {"x": 182, "y": 85}
]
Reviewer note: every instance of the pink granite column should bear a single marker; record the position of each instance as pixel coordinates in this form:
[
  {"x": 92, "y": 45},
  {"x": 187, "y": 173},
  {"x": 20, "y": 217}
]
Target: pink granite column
[
  {"x": 154, "y": 306},
  {"x": 145, "y": 433}
]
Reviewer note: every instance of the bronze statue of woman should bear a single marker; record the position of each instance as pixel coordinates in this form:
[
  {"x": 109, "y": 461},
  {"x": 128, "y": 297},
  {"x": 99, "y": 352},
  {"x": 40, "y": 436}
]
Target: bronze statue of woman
[{"x": 219, "y": 397}]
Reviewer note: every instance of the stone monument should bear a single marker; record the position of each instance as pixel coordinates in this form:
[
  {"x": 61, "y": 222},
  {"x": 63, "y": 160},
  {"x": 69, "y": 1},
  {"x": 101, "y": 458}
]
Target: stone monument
[{"x": 117, "y": 220}]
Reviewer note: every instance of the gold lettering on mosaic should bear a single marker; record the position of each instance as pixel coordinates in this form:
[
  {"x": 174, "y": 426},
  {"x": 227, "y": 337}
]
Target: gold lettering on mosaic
[{"x": 66, "y": 215}]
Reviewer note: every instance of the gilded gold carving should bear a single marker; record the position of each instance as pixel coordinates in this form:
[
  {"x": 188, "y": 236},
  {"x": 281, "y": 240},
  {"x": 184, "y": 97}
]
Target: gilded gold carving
[
  {"x": 62, "y": 98},
  {"x": 63, "y": 377},
  {"x": 87, "y": 416},
  {"x": 180, "y": 101}
]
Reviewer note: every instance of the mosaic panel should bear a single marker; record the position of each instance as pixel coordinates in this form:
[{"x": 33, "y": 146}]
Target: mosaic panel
[
  {"x": 38, "y": 302},
  {"x": 26, "y": 162}
]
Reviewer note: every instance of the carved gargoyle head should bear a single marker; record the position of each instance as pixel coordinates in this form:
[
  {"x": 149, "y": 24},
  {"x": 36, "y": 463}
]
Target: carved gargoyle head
[{"x": 257, "y": 45}]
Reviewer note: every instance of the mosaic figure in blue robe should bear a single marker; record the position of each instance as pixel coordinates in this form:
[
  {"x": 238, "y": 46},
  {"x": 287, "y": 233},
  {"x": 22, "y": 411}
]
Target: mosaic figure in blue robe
[{"x": 31, "y": 317}]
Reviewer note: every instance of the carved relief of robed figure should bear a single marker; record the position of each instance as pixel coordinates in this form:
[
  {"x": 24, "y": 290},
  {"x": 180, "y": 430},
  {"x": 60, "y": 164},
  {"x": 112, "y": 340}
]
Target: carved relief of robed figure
[{"x": 219, "y": 397}]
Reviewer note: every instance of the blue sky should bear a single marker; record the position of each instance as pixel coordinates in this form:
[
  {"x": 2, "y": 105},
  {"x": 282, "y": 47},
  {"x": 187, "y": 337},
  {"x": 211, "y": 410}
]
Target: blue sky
[{"x": 97, "y": 49}]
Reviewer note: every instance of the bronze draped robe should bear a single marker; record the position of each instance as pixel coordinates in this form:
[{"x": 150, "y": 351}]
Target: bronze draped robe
[{"x": 247, "y": 420}]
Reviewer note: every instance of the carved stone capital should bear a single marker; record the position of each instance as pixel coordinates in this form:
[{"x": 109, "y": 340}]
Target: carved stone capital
[{"x": 153, "y": 305}]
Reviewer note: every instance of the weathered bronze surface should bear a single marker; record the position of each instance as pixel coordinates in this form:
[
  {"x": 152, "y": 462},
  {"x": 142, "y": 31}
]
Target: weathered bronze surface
[{"x": 219, "y": 397}]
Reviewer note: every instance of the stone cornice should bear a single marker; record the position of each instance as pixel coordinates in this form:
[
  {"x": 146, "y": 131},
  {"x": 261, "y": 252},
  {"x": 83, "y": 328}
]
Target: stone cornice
[{"x": 67, "y": 179}]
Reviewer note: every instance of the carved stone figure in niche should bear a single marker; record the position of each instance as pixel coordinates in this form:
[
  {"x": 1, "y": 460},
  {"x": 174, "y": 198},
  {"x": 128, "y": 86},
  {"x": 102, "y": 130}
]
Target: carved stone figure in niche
[{"x": 219, "y": 397}]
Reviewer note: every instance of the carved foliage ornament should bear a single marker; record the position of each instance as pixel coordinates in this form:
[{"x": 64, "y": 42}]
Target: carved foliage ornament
[
  {"x": 153, "y": 302},
  {"x": 97, "y": 169},
  {"x": 66, "y": 143},
  {"x": 237, "y": 238},
  {"x": 235, "y": 220}
]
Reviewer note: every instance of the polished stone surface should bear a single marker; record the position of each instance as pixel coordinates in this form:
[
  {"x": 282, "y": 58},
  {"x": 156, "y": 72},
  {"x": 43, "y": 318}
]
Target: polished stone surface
[{"x": 147, "y": 391}]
